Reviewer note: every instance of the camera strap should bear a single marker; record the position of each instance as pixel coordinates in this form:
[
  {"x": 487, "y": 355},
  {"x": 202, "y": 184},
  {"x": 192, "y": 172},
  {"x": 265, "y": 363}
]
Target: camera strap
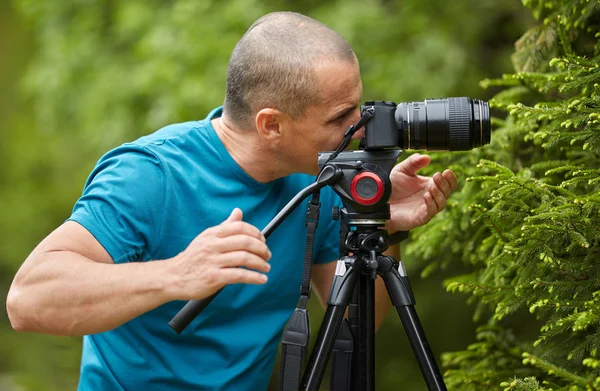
[
  {"x": 366, "y": 116},
  {"x": 296, "y": 334},
  {"x": 341, "y": 359}
]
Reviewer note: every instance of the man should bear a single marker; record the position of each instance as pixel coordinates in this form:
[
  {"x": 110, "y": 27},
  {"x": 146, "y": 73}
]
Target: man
[{"x": 176, "y": 216}]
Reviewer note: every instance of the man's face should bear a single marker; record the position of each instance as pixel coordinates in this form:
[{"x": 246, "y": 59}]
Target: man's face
[{"x": 323, "y": 125}]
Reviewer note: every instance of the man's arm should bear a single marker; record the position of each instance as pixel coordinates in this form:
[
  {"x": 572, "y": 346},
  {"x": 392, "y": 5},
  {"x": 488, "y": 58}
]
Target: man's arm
[
  {"x": 69, "y": 284},
  {"x": 322, "y": 278}
]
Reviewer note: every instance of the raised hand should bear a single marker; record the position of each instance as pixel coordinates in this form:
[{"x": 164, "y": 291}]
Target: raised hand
[
  {"x": 415, "y": 199},
  {"x": 229, "y": 253}
]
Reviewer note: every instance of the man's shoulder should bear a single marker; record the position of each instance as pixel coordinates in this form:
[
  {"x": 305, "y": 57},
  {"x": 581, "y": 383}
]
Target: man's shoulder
[
  {"x": 153, "y": 152},
  {"x": 170, "y": 132},
  {"x": 180, "y": 131},
  {"x": 171, "y": 143}
]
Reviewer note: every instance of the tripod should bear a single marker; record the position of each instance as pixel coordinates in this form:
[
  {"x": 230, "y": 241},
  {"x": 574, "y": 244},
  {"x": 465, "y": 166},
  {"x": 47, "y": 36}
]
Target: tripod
[{"x": 356, "y": 273}]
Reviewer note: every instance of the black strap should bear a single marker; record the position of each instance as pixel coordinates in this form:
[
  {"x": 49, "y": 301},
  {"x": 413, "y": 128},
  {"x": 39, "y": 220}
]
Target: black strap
[
  {"x": 294, "y": 343},
  {"x": 366, "y": 115},
  {"x": 312, "y": 221},
  {"x": 341, "y": 364},
  {"x": 397, "y": 237},
  {"x": 296, "y": 334}
]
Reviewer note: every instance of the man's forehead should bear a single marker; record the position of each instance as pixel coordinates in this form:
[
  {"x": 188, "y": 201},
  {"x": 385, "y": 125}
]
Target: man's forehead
[
  {"x": 339, "y": 79},
  {"x": 345, "y": 97}
]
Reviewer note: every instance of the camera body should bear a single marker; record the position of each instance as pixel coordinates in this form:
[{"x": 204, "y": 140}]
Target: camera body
[{"x": 381, "y": 131}]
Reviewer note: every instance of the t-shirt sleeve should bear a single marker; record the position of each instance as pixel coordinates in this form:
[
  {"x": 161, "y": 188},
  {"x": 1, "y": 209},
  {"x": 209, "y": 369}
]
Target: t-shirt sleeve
[
  {"x": 122, "y": 204},
  {"x": 328, "y": 243}
]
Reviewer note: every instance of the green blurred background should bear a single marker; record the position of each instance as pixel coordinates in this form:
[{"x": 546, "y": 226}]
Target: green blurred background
[{"x": 82, "y": 76}]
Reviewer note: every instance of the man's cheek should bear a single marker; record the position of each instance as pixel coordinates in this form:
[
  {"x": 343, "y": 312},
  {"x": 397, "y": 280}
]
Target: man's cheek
[{"x": 358, "y": 135}]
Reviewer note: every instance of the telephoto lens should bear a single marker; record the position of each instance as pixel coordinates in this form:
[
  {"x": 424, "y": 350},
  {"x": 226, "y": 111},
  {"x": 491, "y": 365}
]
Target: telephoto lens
[{"x": 451, "y": 124}]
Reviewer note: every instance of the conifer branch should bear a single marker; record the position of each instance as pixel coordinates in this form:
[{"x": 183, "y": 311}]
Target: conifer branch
[
  {"x": 483, "y": 211},
  {"x": 551, "y": 369}
]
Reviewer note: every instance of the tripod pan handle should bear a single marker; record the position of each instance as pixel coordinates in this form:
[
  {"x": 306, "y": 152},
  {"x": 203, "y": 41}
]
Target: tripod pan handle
[{"x": 192, "y": 309}]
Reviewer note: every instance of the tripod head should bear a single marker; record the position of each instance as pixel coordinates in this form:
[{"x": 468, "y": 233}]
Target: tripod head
[{"x": 365, "y": 186}]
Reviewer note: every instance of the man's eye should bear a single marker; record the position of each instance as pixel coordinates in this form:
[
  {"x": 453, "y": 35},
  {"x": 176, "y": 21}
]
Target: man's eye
[{"x": 341, "y": 118}]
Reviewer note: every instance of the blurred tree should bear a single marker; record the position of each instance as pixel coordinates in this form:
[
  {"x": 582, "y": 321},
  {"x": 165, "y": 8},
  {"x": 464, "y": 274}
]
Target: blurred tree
[
  {"x": 106, "y": 72},
  {"x": 527, "y": 223}
]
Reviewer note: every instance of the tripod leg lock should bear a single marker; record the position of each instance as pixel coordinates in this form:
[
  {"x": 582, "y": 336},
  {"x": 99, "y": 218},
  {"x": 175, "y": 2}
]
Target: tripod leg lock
[
  {"x": 399, "y": 288},
  {"x": 342, "y": 285}
]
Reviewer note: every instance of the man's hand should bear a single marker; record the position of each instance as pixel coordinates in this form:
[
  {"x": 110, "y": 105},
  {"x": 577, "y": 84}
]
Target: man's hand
[
  {"x": 416, "y": 199},
  {"x": 222, "y": 255}
]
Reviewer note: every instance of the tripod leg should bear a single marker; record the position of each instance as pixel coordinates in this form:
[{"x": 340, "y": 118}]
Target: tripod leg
[
  {"x": 398, "y": 287},
  {"x": 363, "y": 373},
  {"x": 339, "y": 297}
]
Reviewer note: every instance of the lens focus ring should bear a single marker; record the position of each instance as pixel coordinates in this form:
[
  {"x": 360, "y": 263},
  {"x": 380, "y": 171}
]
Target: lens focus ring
[{"x": 459, "y": 119}]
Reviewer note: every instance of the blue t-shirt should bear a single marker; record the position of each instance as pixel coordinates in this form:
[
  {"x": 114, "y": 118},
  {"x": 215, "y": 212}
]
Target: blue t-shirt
[{"x": 147, "y": 200}]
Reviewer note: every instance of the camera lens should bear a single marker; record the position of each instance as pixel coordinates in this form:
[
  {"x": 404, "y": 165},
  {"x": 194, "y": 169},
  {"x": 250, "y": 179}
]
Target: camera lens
[{"x": 452, "y": 124}]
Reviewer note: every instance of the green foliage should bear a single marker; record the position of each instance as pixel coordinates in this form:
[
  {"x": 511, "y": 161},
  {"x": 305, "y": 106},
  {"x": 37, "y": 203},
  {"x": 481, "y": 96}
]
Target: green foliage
[
  {"x": 527, "y": 222},
  {"x": 496, "y": 354}
]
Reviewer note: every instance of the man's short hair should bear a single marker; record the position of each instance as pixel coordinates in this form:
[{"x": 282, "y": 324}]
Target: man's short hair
[{"x": 273, "y": 65}]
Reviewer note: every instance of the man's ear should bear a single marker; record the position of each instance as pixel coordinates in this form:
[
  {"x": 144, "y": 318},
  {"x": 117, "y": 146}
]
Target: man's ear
[{"x": 269, "y": 124}]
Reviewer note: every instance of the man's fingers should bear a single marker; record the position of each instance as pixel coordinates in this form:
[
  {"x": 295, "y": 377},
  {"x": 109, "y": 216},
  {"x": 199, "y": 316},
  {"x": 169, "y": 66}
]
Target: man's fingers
[
  {"x": 236, "y": 215},
  {"x": 236, "y": 275},
  {"x": 432, "y": 208},
  {"x": 414, "y": 163},
  {"x": 443, "y": 184},
  {"x": 438, "y": 196},
  {"x": 451, "y": 178},
  {"x": 245, "y": 259},
  {"x": 238, "y": 228},
  {"x": 243, "y": 243}
]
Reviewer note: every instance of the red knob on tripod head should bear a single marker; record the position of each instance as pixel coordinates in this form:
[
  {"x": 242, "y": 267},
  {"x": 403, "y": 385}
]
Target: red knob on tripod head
[{"x": 367, "y": 188}]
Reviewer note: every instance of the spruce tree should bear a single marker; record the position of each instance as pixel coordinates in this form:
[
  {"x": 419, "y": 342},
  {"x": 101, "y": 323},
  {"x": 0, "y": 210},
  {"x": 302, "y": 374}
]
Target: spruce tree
[{"x": 525, "y": 225}]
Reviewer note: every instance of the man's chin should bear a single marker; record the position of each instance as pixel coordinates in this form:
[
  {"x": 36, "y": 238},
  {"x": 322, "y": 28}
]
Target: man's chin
[{"x": 314, "y": 171}]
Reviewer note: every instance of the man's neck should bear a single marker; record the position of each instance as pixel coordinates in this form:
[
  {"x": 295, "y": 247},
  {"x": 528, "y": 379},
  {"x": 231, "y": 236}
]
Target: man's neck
[{"x": 249, "y": 151}]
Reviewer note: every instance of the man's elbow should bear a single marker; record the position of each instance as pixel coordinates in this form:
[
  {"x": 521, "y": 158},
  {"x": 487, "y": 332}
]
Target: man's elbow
[{"x": 14, "y": 309}]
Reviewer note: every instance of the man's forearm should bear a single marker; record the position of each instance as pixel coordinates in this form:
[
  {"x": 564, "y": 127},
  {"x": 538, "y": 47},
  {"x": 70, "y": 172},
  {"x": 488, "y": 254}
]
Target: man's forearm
[{"x": 83, "y": 296}]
